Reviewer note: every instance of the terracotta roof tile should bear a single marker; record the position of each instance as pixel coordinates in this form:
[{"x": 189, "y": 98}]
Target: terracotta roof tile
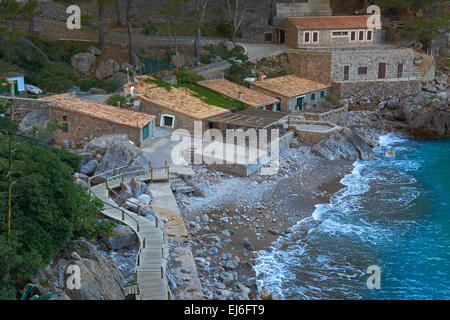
[
  {"x": 290, "y": 85},
  {"x": 107, "y": 113},
  {"x": 231, "y": 90},
  {"x": 178, "y": 100},
  {"x": 330, "y": 22}
]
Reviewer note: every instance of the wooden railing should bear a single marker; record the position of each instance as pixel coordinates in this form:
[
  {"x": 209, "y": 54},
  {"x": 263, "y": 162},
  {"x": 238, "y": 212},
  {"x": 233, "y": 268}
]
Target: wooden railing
[{"x": 133, "y": 288}]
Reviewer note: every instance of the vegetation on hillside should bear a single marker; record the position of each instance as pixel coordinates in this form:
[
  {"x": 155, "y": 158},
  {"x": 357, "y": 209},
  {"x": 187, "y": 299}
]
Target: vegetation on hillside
[{"x": 47, "y": 209}]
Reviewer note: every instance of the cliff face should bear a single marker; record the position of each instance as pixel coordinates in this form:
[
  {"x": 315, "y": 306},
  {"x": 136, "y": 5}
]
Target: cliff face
[{"x": 100, "y": 278}]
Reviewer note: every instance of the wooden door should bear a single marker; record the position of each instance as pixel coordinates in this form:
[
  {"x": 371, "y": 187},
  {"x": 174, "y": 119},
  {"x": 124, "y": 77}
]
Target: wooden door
[
  {"x": 382, "y": 71},
  {"x": 346, "y": 72}
]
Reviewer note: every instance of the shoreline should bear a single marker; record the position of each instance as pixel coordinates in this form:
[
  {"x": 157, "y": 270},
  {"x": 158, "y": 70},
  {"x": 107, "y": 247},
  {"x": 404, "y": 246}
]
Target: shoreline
[{"x": 239, "y": 216}]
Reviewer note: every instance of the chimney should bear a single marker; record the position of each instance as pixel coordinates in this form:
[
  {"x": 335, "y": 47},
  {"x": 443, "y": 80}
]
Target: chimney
[
  {"x": 261, "y": 77},
  {"x": 240, "y": 96}
]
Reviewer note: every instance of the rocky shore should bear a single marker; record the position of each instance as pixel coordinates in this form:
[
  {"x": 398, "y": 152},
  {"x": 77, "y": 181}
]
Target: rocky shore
[{"x": 231, "y": 218}]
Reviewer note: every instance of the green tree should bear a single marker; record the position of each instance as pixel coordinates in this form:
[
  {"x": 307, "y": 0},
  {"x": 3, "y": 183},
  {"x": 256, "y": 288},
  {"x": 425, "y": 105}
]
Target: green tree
[
  {"x": 56, "y": 77},
  {"x": 42, "y": 211},
  {"x": 434, "y": 21}
]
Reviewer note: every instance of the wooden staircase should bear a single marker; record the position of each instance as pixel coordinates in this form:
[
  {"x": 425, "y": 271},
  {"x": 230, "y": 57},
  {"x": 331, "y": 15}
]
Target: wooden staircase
[{"x": 150, "y": 277}]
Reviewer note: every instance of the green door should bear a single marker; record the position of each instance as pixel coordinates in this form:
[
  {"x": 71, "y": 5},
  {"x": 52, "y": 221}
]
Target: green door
[
  {"x": 145, "y": 132},
  {"x": 300, "y": 103},
  {"x": 278, "y": 107}
]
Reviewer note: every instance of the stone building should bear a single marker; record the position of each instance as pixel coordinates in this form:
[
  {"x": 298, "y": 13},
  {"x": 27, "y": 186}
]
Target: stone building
[
  {"x": 353, "y": 65},
  {"x": 294, "y": 92},
  {"x": 250, "y": 98},
  {"x": 81, "y": 118},
  {"x": 174, "y": 108},
  {"x": 327, "y": 31}
]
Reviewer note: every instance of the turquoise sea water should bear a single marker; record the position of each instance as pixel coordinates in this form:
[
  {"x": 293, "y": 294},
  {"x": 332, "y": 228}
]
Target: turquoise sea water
[{"x": 393, "y": 213}]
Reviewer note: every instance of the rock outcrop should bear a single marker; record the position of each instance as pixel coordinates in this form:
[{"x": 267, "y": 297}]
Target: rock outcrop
[
  {"x": 100, "y": 278},
  {"x": 122, "y": 238},
  {"x": 34, "y": 121},
  {"x": 123, "y": 153},
  {"x": 82, "y": 62},
  {"x": 107, "y": 69},
  {"x": 428, "y": 116},
  {"x": 102, "y": 144},
  {"x": 345, "y": 144}
]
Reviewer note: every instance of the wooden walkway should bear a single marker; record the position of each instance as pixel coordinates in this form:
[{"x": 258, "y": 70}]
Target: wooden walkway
[{"x": 151, "y": 281}]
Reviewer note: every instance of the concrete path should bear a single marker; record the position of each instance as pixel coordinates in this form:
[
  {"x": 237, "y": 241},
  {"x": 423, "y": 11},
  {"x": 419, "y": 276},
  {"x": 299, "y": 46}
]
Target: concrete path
[{"x": 166, "y": 207}]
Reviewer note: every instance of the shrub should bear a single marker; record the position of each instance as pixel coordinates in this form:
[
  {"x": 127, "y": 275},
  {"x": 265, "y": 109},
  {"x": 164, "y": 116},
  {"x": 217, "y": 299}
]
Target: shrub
[
  {"x": 186, "y": 76},
  {"x": 333, "y": 100},
  {"x": 224, "y": 28},
  {"x": 56, "y": 77},
  {"x": 116, "y": 99},
  {"x": 49, "y": 209},
  {"x": 107, "y": 85}
]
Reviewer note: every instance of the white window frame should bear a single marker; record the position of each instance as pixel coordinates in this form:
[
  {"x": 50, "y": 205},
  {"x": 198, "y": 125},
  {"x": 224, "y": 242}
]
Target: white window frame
[
  {"x": 348, "y": 33},
  {"x": 296, "y": 99},
  {"x": 318, "y": 37},
  {"x": 367, "y": 32},
  {"x": 304, "y": 37},
  {"x": 161, "y": 123},
  {"x": 364, "y": 35}
]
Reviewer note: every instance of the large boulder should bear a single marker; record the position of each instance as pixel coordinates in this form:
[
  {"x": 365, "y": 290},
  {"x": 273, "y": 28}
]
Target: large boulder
[
  {"x": 428, "y": 115},
  {"x": 137, "y": 187},
  {"x": 94, "y": 50},
  {"x": 345, "y": 144},
  {"x": 82, "y": 62},
  {"x": 122, "y": 238},
  {"x": 34, "y": 122},
  {"x": 122, "y": 153},
  {"x": 102, "y": 144},
  {"x": 106, "y": 69},
  {"x": 100, "y": 279},
  {"x": 89, "y": 168}
]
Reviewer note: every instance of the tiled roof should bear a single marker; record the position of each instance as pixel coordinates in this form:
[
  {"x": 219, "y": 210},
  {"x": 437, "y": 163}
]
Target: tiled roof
[
  {"x": 178, "y": 100},
  {"x": 330, "y": 22},
  {"x": 231, "y": 90},
  {"x": 125, "y": 117},
  {"x": 290, "y": 85},
  {"x": 11, "y": 75}
]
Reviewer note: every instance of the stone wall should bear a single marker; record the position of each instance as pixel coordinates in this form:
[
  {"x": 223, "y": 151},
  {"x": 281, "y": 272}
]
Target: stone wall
[
  {"x": 326, "y": 39},
  {"x": 337, "y": 116},
  {"x": 311, "y": 137},
  {"x": 181, "y": 121},
  {"x": 81, "y": 127},
  {"x": 372, "y": 93},
  {"x": 54, "y": 31},
  {"x": 371, "y": 59},
  {"x": 246, "y": 169},
  {"x": 312, "y": 65}
]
